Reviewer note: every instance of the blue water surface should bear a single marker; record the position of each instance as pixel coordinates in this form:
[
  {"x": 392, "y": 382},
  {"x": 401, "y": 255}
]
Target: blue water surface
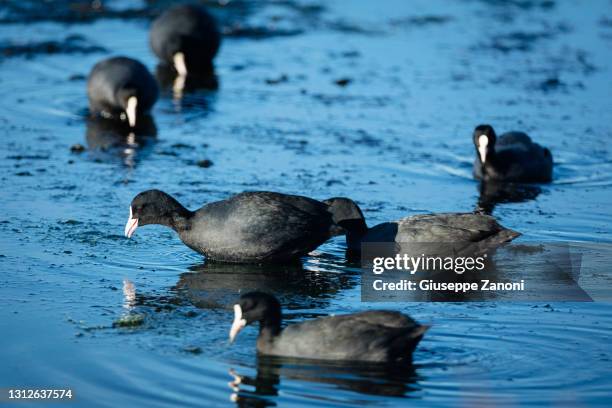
[{"x": 372, "y": 100}]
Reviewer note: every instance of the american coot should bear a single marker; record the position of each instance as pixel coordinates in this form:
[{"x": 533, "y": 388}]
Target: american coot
[
  {"x": 375, "y": 336},
  {"x": 187, "y": 38},
  {"x": 451, "y": 228},
  {"x": 253, "y": 227},
  {"x": 121, "y": 86},
  {"x": 511, "y": 157}
]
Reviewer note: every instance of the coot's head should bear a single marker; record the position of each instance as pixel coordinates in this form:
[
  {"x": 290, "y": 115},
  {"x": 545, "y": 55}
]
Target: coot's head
[
  {"x": 347, "y": 214},
  {"x": 153, "y": 207},
  {"x": 175, "y": 51},
  {"x": 484, "y": 141},
  {"x": 188, "y": 37},
  {"x": 255, "y": 307},
  {"x": 127, "y": 98},
  {"x": 192, "y": 55}
]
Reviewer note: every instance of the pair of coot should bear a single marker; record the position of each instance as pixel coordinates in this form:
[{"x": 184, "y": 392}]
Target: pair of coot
[
  {"x": 185, "y": 37},
  {"x": 267, "y": 227}
]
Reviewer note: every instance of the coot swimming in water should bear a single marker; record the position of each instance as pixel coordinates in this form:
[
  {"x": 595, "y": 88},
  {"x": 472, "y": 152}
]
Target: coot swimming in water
[
  {"x": 121, "y": 87},
  {"x": 510, "y": 157},
  {"x": 444, "y": 228},
  {"x": 187, "y": 38},
  {"x": 378, "y": 336},
  {"x": 252, "y": 227}
]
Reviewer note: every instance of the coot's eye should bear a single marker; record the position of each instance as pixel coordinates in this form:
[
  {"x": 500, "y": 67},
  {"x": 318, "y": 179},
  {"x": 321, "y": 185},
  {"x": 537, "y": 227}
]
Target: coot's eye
[{"x": 247, "y": 304}]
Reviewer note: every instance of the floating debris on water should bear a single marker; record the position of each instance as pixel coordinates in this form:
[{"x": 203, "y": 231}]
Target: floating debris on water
[
  {"x": 130, "y": 320},
  {"x": 77, "y": 148},
  {"x": 204, "y": 163}
]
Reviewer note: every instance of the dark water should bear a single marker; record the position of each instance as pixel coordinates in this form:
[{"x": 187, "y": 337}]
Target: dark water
[{"x": 375, "y": 101}]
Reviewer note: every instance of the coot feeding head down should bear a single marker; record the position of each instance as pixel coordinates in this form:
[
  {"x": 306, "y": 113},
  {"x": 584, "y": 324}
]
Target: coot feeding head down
[
  {"x": 253, "y": 227},
  {"x": 444, "y": 228},
  {"x": 121, "y": 87},
  {"x": 187, "y": 38}
]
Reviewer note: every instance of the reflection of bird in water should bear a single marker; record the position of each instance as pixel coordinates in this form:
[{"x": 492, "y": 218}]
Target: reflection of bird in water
[
  {"x": 216, "y": 284},
  {"x": 118, "y": 138},
  {"x": 370, "y": 379},
  {"x": 169, "y": 79},
  {"x": 129, "y": 294},
  {"x": 493, "y": 193}
]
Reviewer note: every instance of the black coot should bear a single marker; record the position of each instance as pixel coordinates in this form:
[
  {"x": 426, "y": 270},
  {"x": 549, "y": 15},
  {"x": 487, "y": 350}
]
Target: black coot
[
  {"x": 187, "y": 38},
  {"x": 121, "y": 87},
  {"x": 451, "y": 228},
  {"x": 379, "y": 336},
  {"x": 510, "y": 157},
  {"x": 253, "y": 227}
]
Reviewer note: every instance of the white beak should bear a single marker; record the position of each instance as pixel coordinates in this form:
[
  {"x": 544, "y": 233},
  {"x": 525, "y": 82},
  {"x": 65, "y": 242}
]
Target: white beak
[
  {"x": 130, "y": 110},
  {"x": 179, "y": 63},
  {"x": 483, "y": 142},
  {"x": 178, "y": 85},
  {"x": 238, "y": 324},
  {"x": 131, "y": 225}
]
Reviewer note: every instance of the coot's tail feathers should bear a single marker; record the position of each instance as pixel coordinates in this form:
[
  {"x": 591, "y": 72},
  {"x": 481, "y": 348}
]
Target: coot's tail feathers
[
  {"x": 500, "y": 233},
  {"x": 404, "y": 345},
  {"x": 493, "y": 241},
  {"x": 503, "y": 236},
  {"x": 419, "y": 331}
]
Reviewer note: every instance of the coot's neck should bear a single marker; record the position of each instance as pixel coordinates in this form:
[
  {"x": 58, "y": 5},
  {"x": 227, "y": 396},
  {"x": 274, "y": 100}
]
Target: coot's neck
[
  {"x": 269, "y": 329},
  {"x": 175, "y": 216},
  {"x": 356, "y": 229},
  {"x": 491, "y": 157},
  {"x": 180, "y": 219}
]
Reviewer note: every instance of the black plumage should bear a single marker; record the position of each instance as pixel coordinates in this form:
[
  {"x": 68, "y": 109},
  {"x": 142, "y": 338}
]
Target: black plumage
[
  {"x": 252, "y": 227},
  {"x": 114, "y": 82},
  {"x": 513, "y": 156},
  {"x": 443, "y": 228},
  {"x": 189, "y": 30},
  {"x": 380, "y": 336}
]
